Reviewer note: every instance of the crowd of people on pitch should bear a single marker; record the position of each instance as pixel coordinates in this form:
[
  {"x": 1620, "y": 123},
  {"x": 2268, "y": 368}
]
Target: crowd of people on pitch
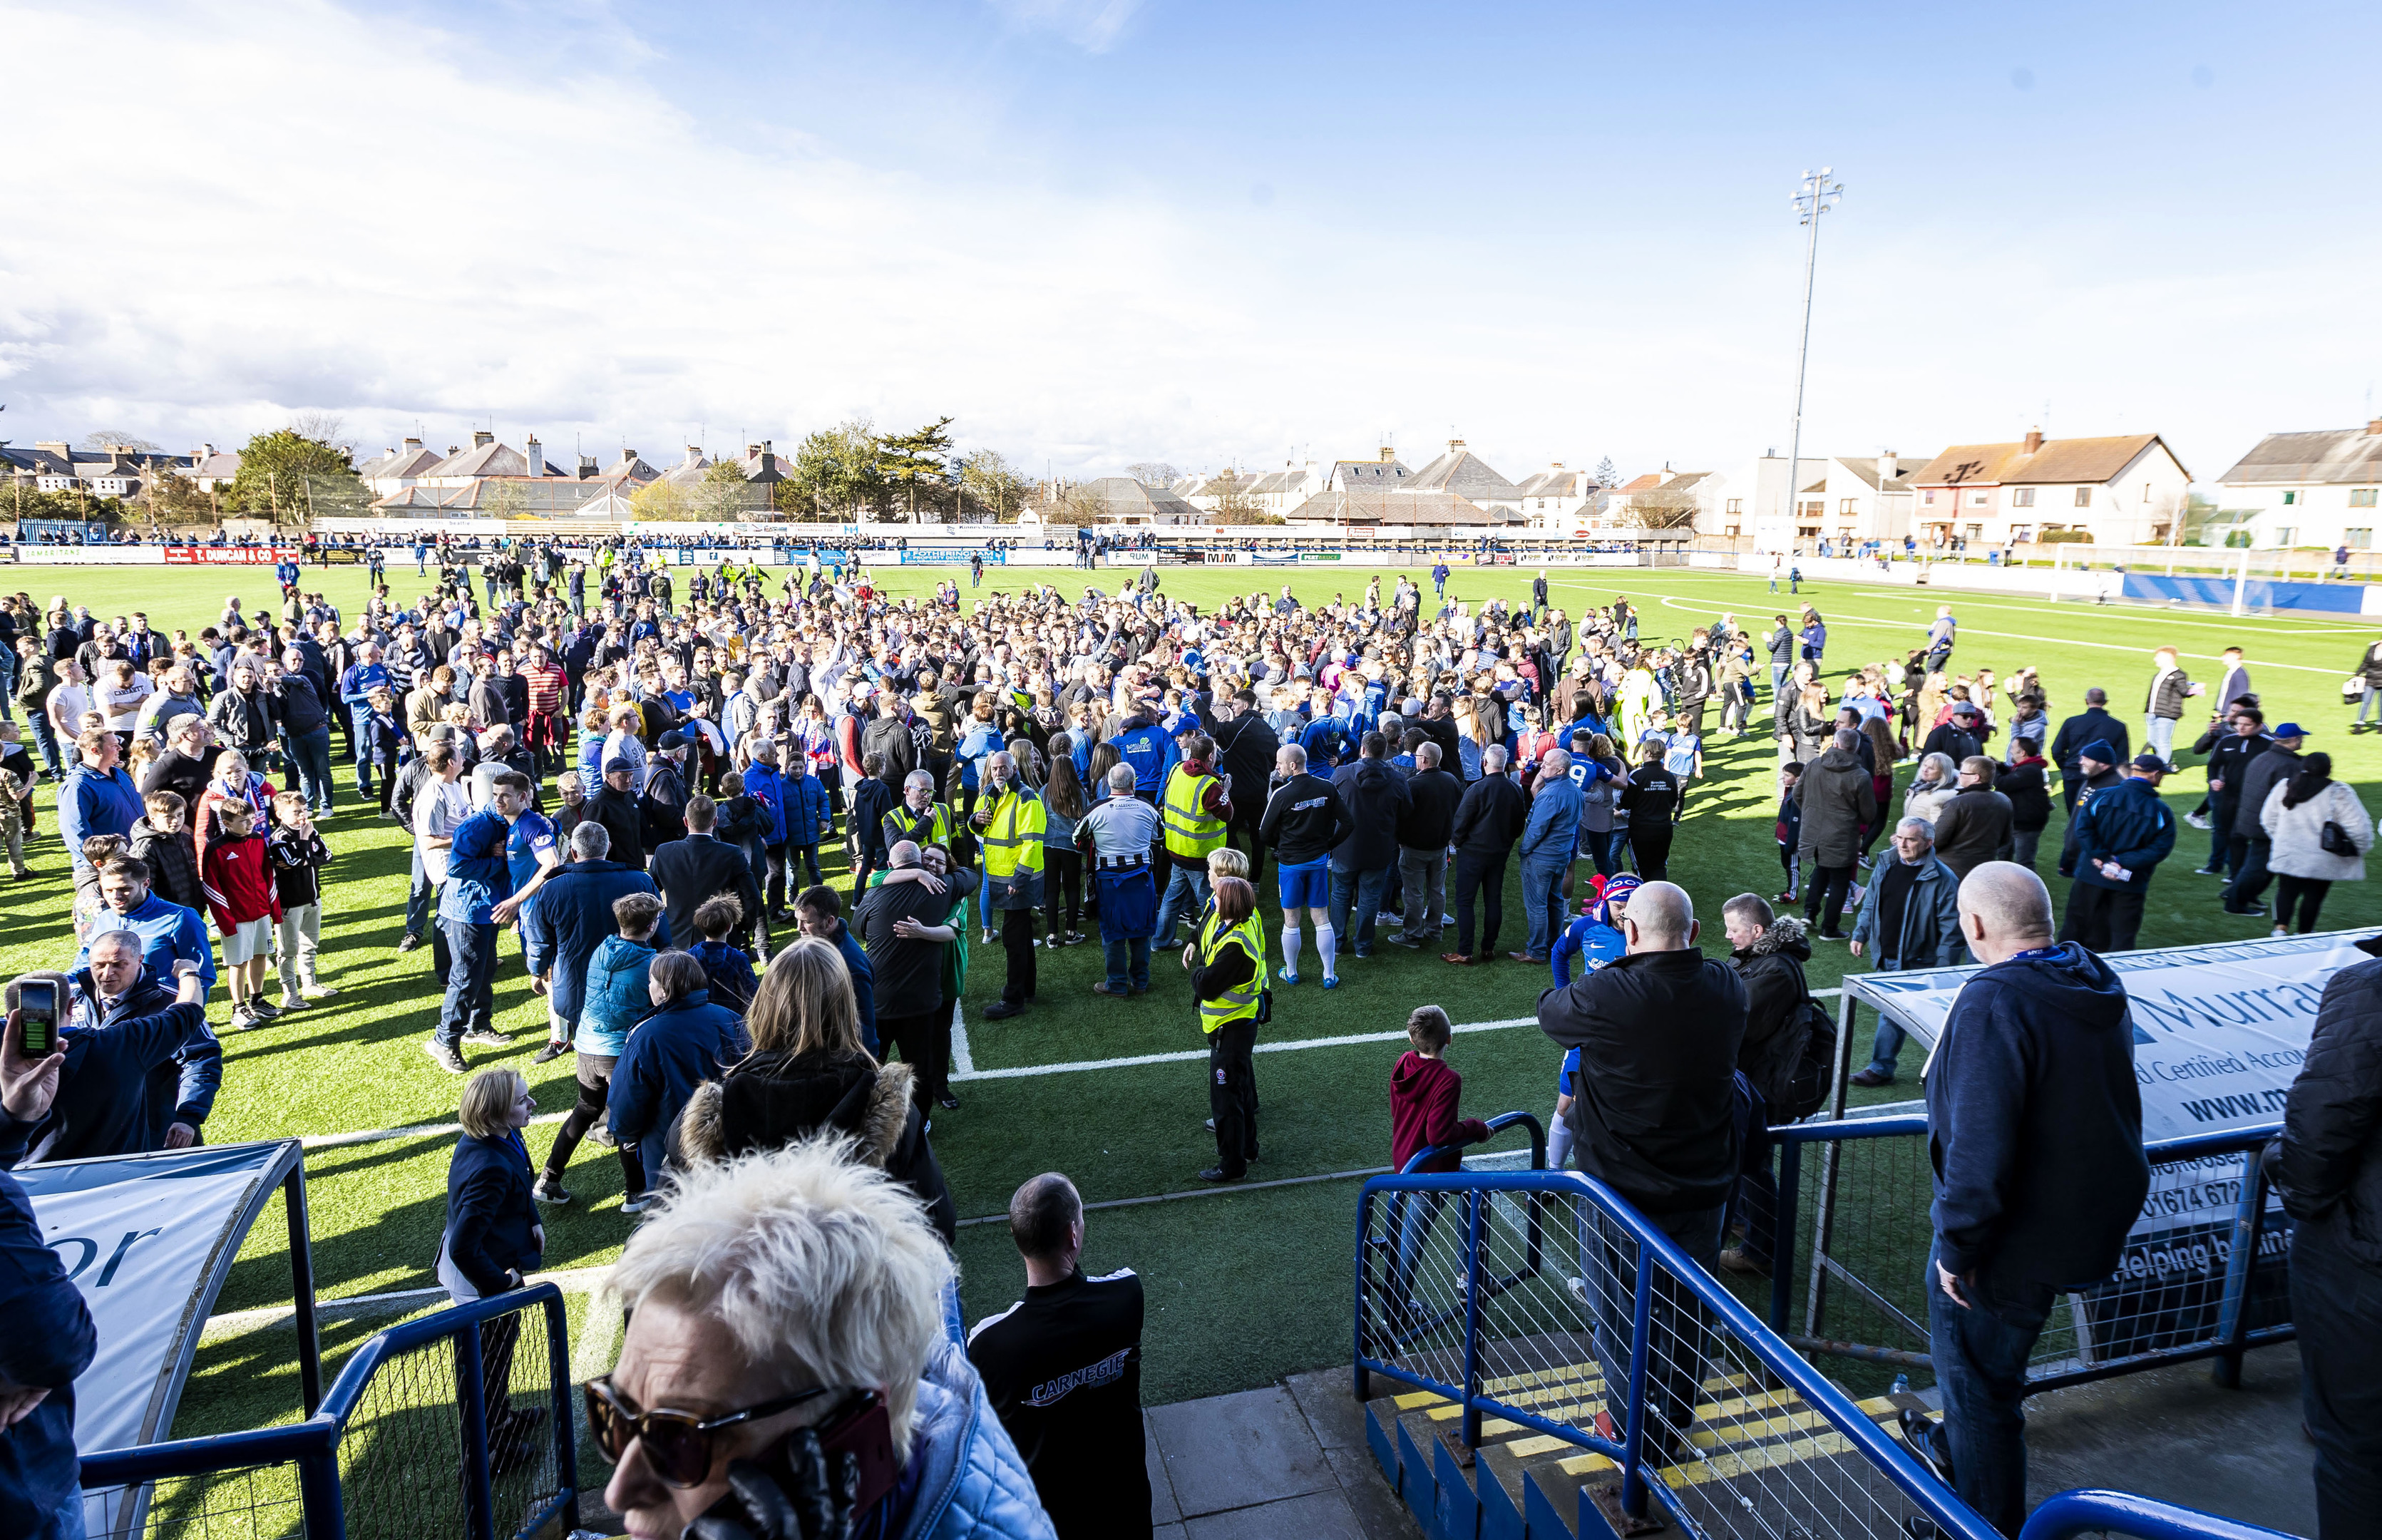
[{"x": 641, "y": 782}]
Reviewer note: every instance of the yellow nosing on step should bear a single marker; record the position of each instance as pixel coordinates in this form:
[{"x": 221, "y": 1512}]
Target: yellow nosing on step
[
  {"x": 1734, "y": 1463},
  {"x": 1587, "y": 1464},
  {"x": 1420, "y": 1397},
  {"x": 1746, "y": 1433}
]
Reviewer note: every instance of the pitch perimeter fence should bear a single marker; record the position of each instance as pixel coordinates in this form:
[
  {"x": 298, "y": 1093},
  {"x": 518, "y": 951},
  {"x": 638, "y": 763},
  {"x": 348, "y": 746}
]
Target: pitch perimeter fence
[
  {"x": 2204, "y": 1274},
  {"x": 456, "y": 1423}
]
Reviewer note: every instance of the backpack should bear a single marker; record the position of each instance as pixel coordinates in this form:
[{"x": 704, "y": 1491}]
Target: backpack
[{"x": 1815, "y": 1064}]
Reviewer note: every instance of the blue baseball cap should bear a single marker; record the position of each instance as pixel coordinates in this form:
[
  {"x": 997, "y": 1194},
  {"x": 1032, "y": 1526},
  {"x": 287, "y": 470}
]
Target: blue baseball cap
[{"x": 2290, "y": 730}]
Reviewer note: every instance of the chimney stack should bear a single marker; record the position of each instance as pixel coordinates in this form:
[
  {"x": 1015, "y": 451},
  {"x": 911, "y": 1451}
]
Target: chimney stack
[
  {"x": 535, "y": 453},
  {"x": 1454, "y": 445},
  {"x": 2374, "y": 426},
  {"x": 482, "y": 439},
  {"x": 2033, "y": 439},
  {"x": 693, "y": 453},
  {"x": 1388, "y": 454},
  {"x": 411, "y": 445},
  {"x": 586, "y": 467},
  {"x": 1889, "y": 465}
]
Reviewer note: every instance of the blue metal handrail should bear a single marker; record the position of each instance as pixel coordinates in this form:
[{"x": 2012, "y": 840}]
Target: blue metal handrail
[
  {"x": 2232, "y": 1336},
  {"x": 314, "y": 1445},
  {"x": 1497, "y": 1124},
  {"x": 2085, "y": 1511},
  {"x": 1950, "y": 1515}
]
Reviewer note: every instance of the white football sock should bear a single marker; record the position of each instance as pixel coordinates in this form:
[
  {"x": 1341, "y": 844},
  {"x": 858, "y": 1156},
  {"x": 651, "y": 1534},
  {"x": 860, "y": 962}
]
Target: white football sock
[
  {"x": 1328, "y": 943},
  {"x": 1290, "y": 948}
]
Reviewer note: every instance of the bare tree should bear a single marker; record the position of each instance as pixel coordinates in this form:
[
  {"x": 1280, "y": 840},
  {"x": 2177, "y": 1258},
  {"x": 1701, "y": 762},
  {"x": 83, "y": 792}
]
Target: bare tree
[
  {"x": 323, "y": 427},
  {"x": 1153, "y": 473},
  {"x": 106, "y": 438},
  {"x": 1668, "y": 507}
]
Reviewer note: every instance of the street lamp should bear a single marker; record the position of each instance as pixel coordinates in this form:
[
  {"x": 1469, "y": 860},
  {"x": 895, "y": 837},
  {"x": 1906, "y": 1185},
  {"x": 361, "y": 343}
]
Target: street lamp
[{"x": 1814, "y": 195}]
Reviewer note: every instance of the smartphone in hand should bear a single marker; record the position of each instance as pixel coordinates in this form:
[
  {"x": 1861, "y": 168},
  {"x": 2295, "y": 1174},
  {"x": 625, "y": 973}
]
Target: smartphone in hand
[{"x": 37, "y": 1019}]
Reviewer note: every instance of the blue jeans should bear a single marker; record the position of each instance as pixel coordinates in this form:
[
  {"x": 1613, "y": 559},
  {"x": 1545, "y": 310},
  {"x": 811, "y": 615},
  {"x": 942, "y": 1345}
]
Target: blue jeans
[
  {"x": 312, "y": 751},
  {"x": 1186, "y": 893},
  {"x": 2371, "y": 698},
  {"x": 1411, "y": 1215},
  {"x": 1980, "y": 1354},
  {"x": 470, "y": 1005},
  {"x": 1364, "y": 888},
  {"x": 46, "y": 739},
  {"x": 359, "y": 718},
  {"x": 2162, "y": 737},
  {"x": 1543, "y": 901},
  {"x": 417, "y": 898},
  {"x": 1604, "y": 847},
  {"x": 1888, "y": 1046},
  {"x": 1777, "y": 679},
  {"x": 1128, "y": 963}
]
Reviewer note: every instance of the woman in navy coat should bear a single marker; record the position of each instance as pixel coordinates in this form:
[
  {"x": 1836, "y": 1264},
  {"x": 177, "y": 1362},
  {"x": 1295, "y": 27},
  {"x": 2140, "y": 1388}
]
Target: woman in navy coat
[
  {"x": 493, "y": 1241},
  {"x": 686, "y": 1042}
]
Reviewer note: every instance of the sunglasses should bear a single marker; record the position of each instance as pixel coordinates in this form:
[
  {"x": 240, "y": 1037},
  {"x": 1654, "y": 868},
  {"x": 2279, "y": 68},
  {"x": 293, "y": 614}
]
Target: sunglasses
[{"x": 676, "y": 1444}]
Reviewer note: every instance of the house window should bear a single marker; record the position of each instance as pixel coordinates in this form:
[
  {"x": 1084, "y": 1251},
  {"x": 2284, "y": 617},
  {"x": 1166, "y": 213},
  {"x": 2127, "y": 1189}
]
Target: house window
[
  {"x": 1846, "y": 507},
  {"x": 2021, "y": 534},
  {"x": 1737, "y": 505},
  {"x": 2146, "y": 491},
  {"x": 2283, "y": 536},
  {"x": 2023, "y": 498},
  {"x": 2289, "y": 497},
  {"x": 1813, "y": 509},
  {"x": 2362, "y": 496},
  {"x": 2083, "y": 497},
  {"x": 1976, "y": 532},
  {"x": 2357, "y": 539},
  {"x": 1729, "y": 531},
  {"x": 1980, "y": 499},
  {"x": 1931, "y": 500}
]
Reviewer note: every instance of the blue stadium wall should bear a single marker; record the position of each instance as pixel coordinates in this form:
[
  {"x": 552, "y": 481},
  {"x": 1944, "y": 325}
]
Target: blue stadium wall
[{"x": 2261, "y": 594}]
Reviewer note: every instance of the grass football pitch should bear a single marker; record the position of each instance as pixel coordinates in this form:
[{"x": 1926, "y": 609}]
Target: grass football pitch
[{"x": 1245, "y": 1285}]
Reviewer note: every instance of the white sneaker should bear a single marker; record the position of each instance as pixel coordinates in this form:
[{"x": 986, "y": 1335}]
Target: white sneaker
[{"x": 2197, "y": 820}]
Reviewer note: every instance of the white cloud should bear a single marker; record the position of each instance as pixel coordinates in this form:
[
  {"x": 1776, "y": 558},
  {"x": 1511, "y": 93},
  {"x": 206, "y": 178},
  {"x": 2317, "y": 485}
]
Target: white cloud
[
  {"x": 1091, "y": 25},
  {"x": 297, "y": 207}
]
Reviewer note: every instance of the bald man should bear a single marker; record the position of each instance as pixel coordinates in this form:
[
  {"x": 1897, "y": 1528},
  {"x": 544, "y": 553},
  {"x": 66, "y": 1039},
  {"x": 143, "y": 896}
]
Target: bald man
[
  {"x": 1652, "y": 1117},
  {"x": 2036, "y": 1124}
]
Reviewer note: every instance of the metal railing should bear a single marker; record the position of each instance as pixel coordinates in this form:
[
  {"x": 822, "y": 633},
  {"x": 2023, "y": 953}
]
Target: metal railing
[
  {"x": 2085, "y": 1512},
  {"x": 1649, "y": 1367},
  {"x": 1640, "y": 1357},
  {"x": 2204, "y": 1276},
  {"x": 435, "y": 1427}
]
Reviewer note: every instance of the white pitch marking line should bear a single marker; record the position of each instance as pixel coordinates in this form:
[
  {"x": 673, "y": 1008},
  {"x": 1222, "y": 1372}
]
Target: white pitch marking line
[
  {"x": 963, "y": 1062},
  {"x": 1871, "y": 622}
]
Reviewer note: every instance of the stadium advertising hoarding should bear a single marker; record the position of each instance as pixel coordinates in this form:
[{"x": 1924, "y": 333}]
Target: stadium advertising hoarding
[
  {"x": 2219, "y": 1034},
  {"x": 950, "y": 555},
  {"x": 148, "y": 1239},
  {"x": 225, "y": 555}
]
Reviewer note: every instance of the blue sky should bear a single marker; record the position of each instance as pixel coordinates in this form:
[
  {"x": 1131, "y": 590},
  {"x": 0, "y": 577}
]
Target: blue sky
[{"x": 1097, "y": 231}]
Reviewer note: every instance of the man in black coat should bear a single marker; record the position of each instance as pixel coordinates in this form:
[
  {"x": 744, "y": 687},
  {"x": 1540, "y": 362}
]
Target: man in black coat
[
  {"x": 1424, "y": 827},
  {"x": 702, "y": 867},
  {"x": 2329, "y": 1167},
  {"x": 615, "y": 806},
  {"x": 2092, "y": 725},
  {"x": 1376, "y": 798},
  {"x": 2230, "y": 745},
  {"x": 1488, "y": 821},
  {"x": 1655, "y": 1117},
  {"x": 2251, "y": 847},
  {"x": 910, "y": 1017},
  {"x": 1768, "y": 950},
  {"x": 1246, "y": 746}
]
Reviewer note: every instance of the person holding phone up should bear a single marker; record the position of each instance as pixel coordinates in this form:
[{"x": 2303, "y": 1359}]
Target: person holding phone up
[
  {"x": 141, "y": 1067},
  {"x": 51, "y": 1339}
]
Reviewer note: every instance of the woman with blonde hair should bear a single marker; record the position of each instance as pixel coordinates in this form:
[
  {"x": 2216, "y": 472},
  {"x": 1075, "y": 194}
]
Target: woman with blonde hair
[
  {"x": 1938, "y": 783},
  {"x": 807, "y": 1074},
  {"x": 493, "y": 1241}
]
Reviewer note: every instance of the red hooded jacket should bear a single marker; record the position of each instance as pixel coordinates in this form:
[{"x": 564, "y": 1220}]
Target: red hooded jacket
[
  {"x": 1423, "y": 1094},
  {"x": 238, "y": 874}
]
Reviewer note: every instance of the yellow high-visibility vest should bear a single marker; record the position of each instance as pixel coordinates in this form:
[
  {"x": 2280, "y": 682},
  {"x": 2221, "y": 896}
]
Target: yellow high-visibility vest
[
  {"x": 1240, "y": 1002},
  {"x": 1191, "y": 833},
  {"x": 1012, "y": 839},
  {"x": 932, "y": 827}
]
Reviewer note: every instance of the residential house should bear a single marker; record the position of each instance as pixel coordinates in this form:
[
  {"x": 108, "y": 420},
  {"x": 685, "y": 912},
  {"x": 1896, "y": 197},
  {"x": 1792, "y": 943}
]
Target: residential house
[
  {"x": 1273, "y": 493},
  {"x": 110, "y": 471},
  {"x": 1557, "y": 498},
  {"x": 1123, "y": 500},
  {"x": 1378, "y": 473},
  {"x": 2130, "y": 490},
  {"x": 1460, "y": 473},
  {"x": 1845, "y": 499},
  {"x": 1374, "y": 507},
  {"x": 2319, "y": 488},
  {"x": 391, "y": 470},
  {"x": 1625, "y": 504},
  {"x": 213, "y": 470}
]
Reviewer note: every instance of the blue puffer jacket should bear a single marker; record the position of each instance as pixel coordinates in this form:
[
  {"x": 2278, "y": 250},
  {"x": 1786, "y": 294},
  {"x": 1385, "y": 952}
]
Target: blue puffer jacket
[
  {"x": 806, "y": 808},
  {"x": 567, "y": 919},
  {"x": 766, "y": 785},
  {"x": 2128, "y": 824},
  {"x": 616, "y": 998},
  {"x": 970, "y": 1484}
]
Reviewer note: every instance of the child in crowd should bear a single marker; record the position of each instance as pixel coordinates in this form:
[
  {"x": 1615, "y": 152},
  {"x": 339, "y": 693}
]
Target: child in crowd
[
  {"x": 617, "y": 998},
  {"x": 1424, "y": 1093},
  {"x": 237, "y": 872},
  {"x": 160, "y": 843},
  {"x": 1683, "y": 755},
  {"x": 727, "y": 970},
  {"x": 1789, "y": 828},
  {"x": 386, "y": 740},
  {"x": 299, "y": 857},
  {"x": 807, "y": 816}
]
